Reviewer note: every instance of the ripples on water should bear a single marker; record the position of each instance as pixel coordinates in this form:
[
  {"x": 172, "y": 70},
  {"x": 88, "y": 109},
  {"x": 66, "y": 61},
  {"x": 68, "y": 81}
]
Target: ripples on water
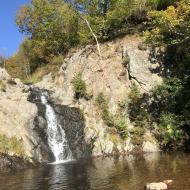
[{"x": 130, "y": 173}]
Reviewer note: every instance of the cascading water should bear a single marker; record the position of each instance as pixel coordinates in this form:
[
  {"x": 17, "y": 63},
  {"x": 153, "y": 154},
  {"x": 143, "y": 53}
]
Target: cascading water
[{"x": 56, "y": 135}]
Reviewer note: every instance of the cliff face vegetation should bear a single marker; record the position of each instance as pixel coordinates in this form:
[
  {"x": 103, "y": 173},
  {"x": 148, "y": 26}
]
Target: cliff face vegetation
[{"x": 123, "y": 64}]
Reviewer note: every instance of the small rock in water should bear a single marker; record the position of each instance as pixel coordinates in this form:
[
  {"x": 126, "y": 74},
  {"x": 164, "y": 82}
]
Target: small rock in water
[
  {"x": 168, "y": 182},
  {"x": 156, "y": 186}
]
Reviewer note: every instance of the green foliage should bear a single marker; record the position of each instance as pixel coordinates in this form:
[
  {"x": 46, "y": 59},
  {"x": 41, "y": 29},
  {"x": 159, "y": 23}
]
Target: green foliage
[
  {"x": 79, "y": 86},
  {"x": 138, "y": 108},
  {"x": 11, "y": 145},
  {"x": 166, "y": 94},
  {"x": 171, "y": 104},
  {"x": 53, "y": 26},
  {"x": 170, "y": 133},
  {"x": 134, "y": 94},
  {"x": 121, "y": 124},
  {"x": 170, "y": 25},
  {"x": 117, "y": 121},
  {"x": 102, "y": 102}
]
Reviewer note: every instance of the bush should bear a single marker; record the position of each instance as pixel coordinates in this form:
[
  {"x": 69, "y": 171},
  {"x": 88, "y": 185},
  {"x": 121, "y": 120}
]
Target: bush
[
  {"x": 117, "y": 121},
  {"x": 170, "y": 133},
  {"x": 79, "y": 86},
  {"x": 138, "y": 107},
  {"x": 120, "y": 123},
  {"x": 134, "y": 94},
  {"x": 126, "y": 61},
  {"x": 102, "y": 102}
]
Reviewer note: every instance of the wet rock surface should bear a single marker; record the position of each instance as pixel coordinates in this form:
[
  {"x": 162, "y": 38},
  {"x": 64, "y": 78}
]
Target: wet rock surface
[
  {"x": 69, "y": 118},
  {"x": 9, "y": 163}
]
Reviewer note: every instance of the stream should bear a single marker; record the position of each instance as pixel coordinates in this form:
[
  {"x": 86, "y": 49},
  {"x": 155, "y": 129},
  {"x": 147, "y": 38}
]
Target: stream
[{"x": 129, "y": 173}]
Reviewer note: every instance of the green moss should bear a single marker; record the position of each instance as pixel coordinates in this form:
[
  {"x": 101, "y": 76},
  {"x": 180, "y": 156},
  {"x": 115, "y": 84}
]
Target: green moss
[{"x": 11, "y": 145}]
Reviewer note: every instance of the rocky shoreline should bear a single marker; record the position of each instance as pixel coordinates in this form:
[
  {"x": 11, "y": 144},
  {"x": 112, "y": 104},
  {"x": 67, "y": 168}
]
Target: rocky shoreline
[{"x": 11, "y": 163}]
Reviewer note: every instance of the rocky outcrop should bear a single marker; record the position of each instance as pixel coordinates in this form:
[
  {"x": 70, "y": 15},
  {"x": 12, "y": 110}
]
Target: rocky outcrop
[
  {"x": 17, "y": 116},
  {"x": 22, "y": 114},
  {"x": 106, "y": 75}
]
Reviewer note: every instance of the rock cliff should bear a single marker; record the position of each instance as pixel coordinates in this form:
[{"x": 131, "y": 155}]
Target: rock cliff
[
  {"x": 22, "y": 116},
  {"x": 107, "y": 75}
]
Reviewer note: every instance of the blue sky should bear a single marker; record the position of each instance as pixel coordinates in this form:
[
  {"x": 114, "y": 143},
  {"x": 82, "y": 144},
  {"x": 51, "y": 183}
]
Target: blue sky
[{"x": 10, "y": 38}]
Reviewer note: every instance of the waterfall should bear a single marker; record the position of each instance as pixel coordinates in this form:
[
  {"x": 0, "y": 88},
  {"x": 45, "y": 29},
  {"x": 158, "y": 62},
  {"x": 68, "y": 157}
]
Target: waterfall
[{"x": 56, "y": 135}]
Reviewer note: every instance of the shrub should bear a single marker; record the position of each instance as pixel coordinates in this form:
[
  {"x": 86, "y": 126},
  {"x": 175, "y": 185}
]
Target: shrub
[
  {"x": 79, "y": 86},
  {"x": 170, "y": 133},
  {"x": 134, "y": 94},
  {"x": 119, "y": 122},
  {"x": 126, "y": 61},
  {"x": 102, "y": 102}
]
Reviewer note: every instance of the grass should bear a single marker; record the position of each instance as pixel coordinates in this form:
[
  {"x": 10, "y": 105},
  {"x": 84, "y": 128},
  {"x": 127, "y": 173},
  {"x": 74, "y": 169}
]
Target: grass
[
  {"x": 43, "y": 70},
  {"x": 11, "y": 145}
]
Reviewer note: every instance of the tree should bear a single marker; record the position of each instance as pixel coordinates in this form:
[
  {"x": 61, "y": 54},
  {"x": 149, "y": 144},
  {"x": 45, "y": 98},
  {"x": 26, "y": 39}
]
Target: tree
[
  {"x": 51, "y": 25},
  {"x": 171, "y": 31}
]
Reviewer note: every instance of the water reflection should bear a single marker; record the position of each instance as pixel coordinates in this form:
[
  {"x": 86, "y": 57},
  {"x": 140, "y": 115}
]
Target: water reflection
[{"x": 129, "y": 173}]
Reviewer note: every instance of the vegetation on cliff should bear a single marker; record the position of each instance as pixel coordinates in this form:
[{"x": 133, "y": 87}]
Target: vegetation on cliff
[{"x": 53, "y": 27}]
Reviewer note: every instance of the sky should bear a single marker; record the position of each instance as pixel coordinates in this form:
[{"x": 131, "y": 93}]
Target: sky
[{"x": 10, "y": 38}]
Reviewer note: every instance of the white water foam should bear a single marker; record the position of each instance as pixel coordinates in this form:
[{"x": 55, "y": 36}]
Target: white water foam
[{"x": 56, "y": 135}]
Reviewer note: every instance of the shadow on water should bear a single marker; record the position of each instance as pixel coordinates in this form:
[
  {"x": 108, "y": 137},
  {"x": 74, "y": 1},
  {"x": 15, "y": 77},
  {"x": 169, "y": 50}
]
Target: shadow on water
[{"x": 130, "y": 173}]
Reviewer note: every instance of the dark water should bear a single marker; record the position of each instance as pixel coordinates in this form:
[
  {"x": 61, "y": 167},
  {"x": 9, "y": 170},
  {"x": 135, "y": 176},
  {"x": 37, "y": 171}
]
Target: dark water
[{"x": 130, "y": 173}]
